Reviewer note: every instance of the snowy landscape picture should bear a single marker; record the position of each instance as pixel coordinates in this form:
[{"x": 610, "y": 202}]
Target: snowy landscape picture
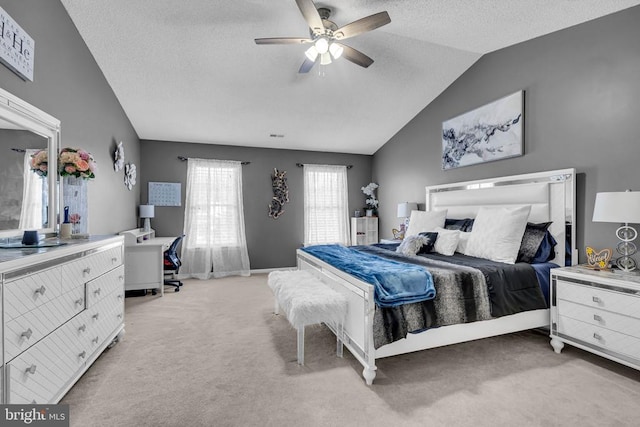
[{"x": 491, "y": 132}]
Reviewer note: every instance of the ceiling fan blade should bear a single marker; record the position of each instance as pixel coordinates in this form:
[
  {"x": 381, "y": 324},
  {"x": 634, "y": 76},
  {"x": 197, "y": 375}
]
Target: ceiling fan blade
[
  {"x": 306, "y": 66},
  {"x": 363, "y": 25},
  {"x": 283, "y": 40},
  {"x": 311, "y": 15},
  {"x": 355, "y": 56}
]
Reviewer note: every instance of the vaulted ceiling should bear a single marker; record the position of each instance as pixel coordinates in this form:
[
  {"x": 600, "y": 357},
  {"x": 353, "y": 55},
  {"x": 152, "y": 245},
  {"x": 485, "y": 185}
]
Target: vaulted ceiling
[{"x": 190, "y": 71}]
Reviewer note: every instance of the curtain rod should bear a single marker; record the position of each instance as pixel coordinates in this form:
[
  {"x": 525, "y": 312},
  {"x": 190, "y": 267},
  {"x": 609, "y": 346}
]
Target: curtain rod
[
  {"x": 19, "y": 150},
  {"x": 184, "y": 159},
  {"x": 302, "y": 164}
]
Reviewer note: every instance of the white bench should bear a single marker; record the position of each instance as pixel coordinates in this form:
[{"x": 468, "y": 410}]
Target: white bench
[{"x": 306, "y": 300}]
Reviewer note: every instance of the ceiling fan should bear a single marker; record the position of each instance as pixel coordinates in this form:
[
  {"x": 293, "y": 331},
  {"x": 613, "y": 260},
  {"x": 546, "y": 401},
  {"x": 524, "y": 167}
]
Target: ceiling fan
[{"x": 326, "y": 37}]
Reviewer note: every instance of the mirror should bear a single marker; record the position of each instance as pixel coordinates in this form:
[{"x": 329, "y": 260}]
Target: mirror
[{"x": 28, "y": 198}]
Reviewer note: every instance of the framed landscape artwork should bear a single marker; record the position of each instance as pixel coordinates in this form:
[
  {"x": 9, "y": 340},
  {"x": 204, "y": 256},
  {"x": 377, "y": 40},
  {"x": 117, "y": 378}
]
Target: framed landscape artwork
[{"x": 491, "y": 132}]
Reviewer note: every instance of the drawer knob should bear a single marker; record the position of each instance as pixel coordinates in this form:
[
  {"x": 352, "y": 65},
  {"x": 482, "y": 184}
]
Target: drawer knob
[
  {"x": 82, "y": 328},
  {"x": 27, "y": 333},
  {"x": 597, "y": 300},
  {"x": 41, "y": 290},
  {"x": 95, "y": 340},
  {"x": 86, "y": 271},
  {"x": 96, "y": 316},
  {"x": 30, "y": 370},
  {"x": 82, "y": 355},
  {"x": 121, "y": 278},
  {"x": 79, "y": 301},
  {"x": 597, "y": 318},
  {"x": 97, "y": 291},
  {"x": 597, "y": 336},
  {"x": 114, "y": 260},
  {"x": 120, "y": 316},
  {"x": 119, "y": 296}
]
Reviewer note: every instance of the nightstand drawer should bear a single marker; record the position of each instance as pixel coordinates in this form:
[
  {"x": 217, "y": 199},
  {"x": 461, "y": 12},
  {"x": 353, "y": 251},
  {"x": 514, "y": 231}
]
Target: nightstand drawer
[
  {"x": 591, "y": 296},
  {"x": 602, "y": 318},
  {"x": 596, "y": 336}
]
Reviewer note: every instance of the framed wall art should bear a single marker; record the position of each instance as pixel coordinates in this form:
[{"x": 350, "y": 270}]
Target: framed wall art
[{"x": 491, "y": 132}]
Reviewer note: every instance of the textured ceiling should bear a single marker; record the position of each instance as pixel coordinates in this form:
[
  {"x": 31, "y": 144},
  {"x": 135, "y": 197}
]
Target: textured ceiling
[{"x": 190, "y": 71}]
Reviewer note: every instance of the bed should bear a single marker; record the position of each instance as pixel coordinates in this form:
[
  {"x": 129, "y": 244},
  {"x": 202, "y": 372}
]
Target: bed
[{"x": 551, "y": 196}]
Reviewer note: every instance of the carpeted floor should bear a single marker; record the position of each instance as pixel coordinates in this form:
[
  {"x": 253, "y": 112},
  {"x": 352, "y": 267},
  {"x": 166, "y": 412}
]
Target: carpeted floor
[{"x": 213, "y": 354}]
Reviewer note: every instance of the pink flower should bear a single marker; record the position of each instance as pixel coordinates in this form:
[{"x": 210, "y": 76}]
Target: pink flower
[
  {"x": 69, "y": 169},
  {"x": 74, "y": 218}
]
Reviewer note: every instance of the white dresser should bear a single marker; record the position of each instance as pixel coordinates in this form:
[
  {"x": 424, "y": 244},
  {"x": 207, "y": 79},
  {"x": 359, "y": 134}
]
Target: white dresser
[
  {"x": 62, "y": 307},
  {"x": 597, "y": 311}
]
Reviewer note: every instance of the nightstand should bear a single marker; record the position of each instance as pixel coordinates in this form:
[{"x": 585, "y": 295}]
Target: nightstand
[{"x": 597, "y": 311}]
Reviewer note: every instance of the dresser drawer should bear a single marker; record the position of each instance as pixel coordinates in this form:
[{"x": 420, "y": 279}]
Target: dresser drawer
[
  {"x": 597, "y": 336},
  {"x": 597, "y": 317},
  {"x": 26, "y": 330},
  {"x": 29, "y": 292},
  {"x": 90, "y": 267},
  {"x": 590, "y": 296},
  {"x": 104, "y": 285}
]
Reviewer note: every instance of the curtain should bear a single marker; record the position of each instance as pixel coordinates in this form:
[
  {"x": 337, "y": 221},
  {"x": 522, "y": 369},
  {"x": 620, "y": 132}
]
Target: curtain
[
  {"x": 326, "y": 205},
  {"x": 31, "y": 213},
  {"x": 215, "y": 244}
]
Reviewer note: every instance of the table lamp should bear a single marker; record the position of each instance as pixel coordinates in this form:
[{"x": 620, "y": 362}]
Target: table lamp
[
  {"x": 622, "y": 207},
  {"x": 147, "y": 212},
  {"x": 404, "y": 211}
]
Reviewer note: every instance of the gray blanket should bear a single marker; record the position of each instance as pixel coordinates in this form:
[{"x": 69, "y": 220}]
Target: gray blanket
[{"x": 467, "y": 290}]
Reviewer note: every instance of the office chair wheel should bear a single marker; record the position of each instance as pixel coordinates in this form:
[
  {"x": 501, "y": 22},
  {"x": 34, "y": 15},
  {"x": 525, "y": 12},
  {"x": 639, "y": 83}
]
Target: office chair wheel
[
  {"x": 177, "y": 289},
  {"x": 153, "y": 292}
]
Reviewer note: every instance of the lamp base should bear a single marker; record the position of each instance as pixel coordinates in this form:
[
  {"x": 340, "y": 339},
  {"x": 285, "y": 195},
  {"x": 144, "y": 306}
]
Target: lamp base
[{"x": 147, "y": 225}]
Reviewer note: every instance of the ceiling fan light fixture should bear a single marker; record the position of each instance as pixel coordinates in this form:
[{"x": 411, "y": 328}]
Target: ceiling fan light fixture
[
  {"x": 325, "y": 58},
  {"x": 336, "y": 50},
  {"x": 322, "y": 45},
  {"x": 311, "y": 53}
]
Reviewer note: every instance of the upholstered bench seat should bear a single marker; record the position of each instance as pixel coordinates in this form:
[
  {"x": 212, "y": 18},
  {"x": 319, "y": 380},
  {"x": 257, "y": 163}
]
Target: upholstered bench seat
[{"x": 306, "y": 300}]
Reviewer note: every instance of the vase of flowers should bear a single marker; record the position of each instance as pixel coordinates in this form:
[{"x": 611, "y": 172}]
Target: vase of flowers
[
  {"x": 40, "y": 162},
  {"x": 371, "y": 201},
  {"x": 76, "y": 162}
]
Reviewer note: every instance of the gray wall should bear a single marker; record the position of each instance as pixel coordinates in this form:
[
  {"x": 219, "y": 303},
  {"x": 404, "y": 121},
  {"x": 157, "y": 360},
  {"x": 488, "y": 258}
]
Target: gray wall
[
  {"x": 582, "y": 110},
  {"x": 272, "y": 243},
  {"x": 69, "y": 85}
]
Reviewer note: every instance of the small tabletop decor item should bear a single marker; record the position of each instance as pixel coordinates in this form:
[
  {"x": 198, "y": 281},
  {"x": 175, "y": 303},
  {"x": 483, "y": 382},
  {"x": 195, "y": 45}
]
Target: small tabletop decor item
[
  {"x": 40, "y": 162},
  {"x": 371, "y": 202},
  {"x": 598, "y": 260},
  {"x": 76, "y": 162}
]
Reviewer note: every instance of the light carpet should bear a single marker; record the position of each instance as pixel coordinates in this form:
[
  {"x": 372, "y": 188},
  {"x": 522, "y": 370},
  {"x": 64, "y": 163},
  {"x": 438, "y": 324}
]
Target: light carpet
[{"x": 214, "y": 354}]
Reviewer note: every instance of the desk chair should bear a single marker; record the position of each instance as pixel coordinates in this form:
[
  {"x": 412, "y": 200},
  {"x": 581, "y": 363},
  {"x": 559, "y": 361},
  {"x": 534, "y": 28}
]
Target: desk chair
[{"x": 172, "y": 264}]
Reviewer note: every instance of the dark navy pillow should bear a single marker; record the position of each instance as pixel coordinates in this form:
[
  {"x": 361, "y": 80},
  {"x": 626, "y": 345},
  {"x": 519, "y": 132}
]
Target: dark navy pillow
[
  {"x": 431, "y": 237},
  {"x": 546, "y": 250},
  {"x": 458, "y": 224}
]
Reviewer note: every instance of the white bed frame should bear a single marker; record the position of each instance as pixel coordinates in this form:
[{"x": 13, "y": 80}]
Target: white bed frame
[{"x": 552, "y": 198}]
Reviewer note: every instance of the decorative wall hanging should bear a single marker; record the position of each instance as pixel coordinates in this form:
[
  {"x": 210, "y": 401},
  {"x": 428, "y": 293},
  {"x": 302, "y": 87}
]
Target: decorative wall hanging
[
  {"x": 280, "y": 193},
  {"x": 130, "y": 175},
  {"x": 17, "y": 48},
  {"x": 118, "y": 158},
  {"x": 491, "y": 132},
  {"x": 598, "y": 260},
  {"x": 165, "y": 193}
]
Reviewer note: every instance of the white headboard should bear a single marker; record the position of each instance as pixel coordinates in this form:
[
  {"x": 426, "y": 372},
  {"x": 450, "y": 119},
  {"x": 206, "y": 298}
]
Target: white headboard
[{"x": 551, "y": 196}]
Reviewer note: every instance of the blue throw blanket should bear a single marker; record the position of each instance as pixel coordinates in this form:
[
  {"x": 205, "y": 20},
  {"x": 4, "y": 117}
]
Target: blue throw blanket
[{"x": 395, "y": 283}]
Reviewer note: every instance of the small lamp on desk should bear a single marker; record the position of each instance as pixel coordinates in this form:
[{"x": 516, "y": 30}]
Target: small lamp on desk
[{"x": 147, "y": 212}]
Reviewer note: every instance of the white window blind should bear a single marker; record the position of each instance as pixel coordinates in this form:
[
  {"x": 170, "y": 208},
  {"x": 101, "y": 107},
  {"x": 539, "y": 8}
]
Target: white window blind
[{"x": 326, "y": 210}]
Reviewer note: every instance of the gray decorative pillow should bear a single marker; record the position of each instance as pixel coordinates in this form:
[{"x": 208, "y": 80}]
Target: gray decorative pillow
[
  {"x": 412, "y": 244},
  {"x": 531, "y": 240}
]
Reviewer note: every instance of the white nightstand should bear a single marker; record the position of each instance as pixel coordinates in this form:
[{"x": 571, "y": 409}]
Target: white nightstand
[{"x": 597, "y": 311}]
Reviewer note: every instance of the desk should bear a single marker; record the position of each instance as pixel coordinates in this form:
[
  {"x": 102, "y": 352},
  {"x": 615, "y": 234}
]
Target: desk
[{"x": 144, "y": 260}]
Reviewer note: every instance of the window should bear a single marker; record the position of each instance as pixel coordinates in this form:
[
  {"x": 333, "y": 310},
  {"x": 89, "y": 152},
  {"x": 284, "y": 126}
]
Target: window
[
  {"x": 215, "y": 243},
  {"x": 326, "y": 210}
]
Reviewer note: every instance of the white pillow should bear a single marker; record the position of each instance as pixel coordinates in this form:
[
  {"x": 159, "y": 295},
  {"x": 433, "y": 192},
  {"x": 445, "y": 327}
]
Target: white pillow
[
  {"x": 462, "y": 243},
  {"x": 497, "y": 233},
  {"x": 425, "y": 221},
  {"x": 447, "y": 241}
]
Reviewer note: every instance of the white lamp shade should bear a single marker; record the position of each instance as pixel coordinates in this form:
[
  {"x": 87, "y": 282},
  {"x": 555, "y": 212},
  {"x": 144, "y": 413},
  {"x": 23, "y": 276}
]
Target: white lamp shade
[
  {"x": 405, "y": 208},
  {"x": 147, "y": 211},
  {"x": 620, "y": 207}
]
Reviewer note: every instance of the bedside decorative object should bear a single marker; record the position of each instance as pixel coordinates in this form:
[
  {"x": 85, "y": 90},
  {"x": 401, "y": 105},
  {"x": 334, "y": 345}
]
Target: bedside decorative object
[
  {"x": 147, "y": 212},
  {"x": 404, "y": 211},
  {"x": 598, "y": 259},
  {"x": 118, "y": 158},
  {"x": 620, "y": 207},
  {"x": 398, "y": 234},
  {"x": 372, "y": 201}
]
